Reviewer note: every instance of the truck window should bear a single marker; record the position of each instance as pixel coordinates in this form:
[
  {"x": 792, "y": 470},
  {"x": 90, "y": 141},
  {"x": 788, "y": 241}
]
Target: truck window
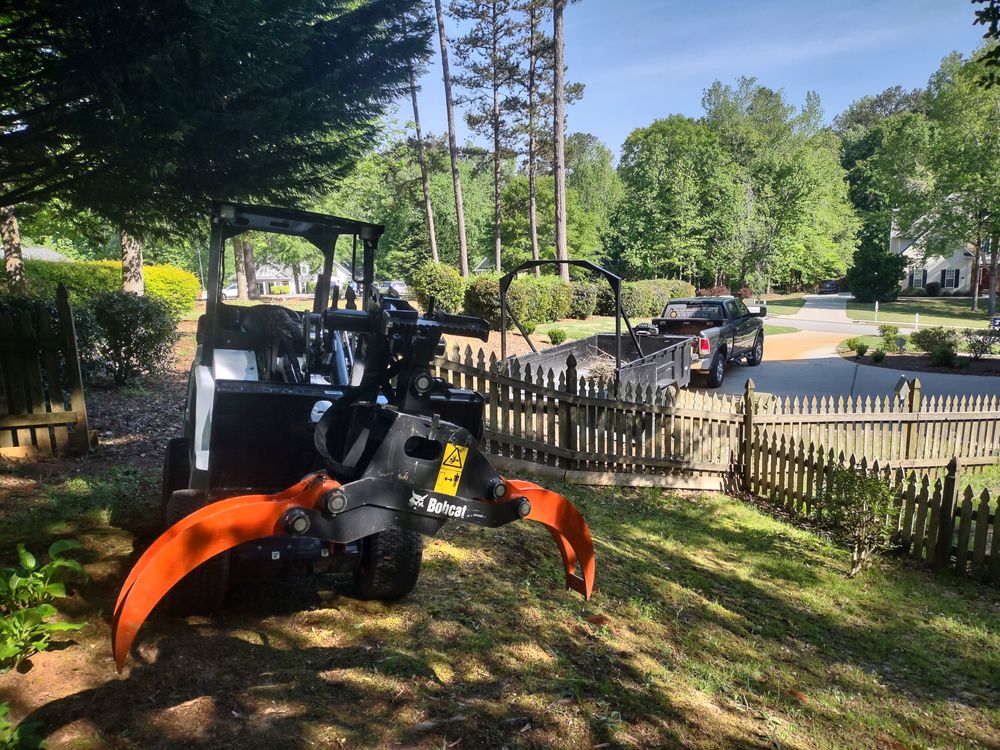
[
  {"x": 744, "y": 312},
  {"x": 734, "y": 310}
]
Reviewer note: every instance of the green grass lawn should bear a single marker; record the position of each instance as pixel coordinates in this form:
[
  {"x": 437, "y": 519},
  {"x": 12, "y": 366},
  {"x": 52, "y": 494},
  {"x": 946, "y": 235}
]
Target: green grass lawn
[
  {"x": 786, "y": 305},
  {"x": 934, "y": 311},
  {"x": 713, "y": 625}
]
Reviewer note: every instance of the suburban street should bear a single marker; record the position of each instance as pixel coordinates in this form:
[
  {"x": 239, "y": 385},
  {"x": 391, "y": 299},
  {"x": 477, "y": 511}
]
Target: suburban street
[{"x": 806, "y": 363}]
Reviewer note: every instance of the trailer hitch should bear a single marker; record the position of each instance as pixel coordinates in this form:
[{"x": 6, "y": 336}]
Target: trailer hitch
[{"x": 320, "y": 507}]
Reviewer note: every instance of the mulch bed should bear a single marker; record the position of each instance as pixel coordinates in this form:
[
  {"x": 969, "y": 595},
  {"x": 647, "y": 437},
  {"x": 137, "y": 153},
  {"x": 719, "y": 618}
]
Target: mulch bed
[{"x": 922, "y": 363}]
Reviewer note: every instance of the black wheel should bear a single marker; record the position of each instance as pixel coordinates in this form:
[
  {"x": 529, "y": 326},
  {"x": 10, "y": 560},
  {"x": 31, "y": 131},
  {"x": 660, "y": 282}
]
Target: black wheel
[
  {"x": 176, "y": 469},
  {"x": 390, "y": 564},
  {"x": 717, "y": 372},
  {"x": 756, "y": 355},
  {"x": 203, "y": 590}
]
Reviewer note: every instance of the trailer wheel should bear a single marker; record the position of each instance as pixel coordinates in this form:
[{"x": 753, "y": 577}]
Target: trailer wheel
[
  {"x": 203, "y": 590},
  {"x": 176, "y": 469},
  {"x": 756, "y": 355},
  {"x": 390, "y": 564},
  {"x": 717, "y": 372}
]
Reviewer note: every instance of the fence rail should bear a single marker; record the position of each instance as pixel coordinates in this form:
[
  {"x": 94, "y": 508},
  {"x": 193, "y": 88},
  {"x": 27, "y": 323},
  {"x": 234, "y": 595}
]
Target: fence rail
[{"x": 42, "y": 408}]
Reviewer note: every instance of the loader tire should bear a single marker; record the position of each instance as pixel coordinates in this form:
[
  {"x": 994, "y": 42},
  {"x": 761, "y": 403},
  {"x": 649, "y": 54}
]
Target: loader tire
[
  {"x": 203, "y": 590},
  {"x": 390, "y": 564}
]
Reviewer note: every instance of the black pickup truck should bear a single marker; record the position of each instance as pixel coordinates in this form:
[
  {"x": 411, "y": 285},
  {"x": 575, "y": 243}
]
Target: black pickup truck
[{"x": 724, "y": 330}]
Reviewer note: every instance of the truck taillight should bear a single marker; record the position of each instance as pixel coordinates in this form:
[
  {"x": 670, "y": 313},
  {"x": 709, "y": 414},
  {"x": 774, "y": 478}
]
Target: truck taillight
[{"x": 704, "y": 346}]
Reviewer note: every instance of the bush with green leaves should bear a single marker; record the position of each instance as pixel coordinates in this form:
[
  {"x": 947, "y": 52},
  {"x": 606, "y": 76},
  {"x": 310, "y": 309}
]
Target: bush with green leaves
[
  {"x": 642, "y": 299},
  {"x": 555, "y": 297},
  {"x": 933, "y": 288},
  {"x": 853, "y": 343},
  {"x": 944, "y": 356},
  {"x": 888, "y": 333},
  {"x": 935, "y": 337},
  {"x": 23, "y": 736},
  {"x": 26, "y": 593},
  {"x": 442, "y": 282},
  {"x": 584, "y": 302},
  {"x": 861, "y": 349},
  {"x": 856, "y": 506},
  {"x": 981, "y": 341},
  {"x": 878, "y": 355},
  {"x": 137, "y": 334},
  {"x": 557, "y": 336},
  {"x": 482, "y": 299}
]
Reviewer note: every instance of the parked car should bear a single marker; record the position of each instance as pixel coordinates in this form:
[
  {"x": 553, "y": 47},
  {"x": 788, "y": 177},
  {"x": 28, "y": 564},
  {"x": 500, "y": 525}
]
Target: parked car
[
  {"x": 829, "y": 287},
  {"x": 724, "y": 329},
  {"x": 231, "y": 291},
  {"x": 394, "y": 289}
]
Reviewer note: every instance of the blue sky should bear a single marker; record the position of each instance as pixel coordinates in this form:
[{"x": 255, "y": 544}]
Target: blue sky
[{"x": 645, "y": 59}]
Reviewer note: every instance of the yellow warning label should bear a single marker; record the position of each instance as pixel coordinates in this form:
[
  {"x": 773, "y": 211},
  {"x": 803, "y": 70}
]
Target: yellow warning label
[{"x": 450, "y": 474}]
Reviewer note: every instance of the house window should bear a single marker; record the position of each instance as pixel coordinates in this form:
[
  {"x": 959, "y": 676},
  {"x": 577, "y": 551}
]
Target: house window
[
  {"x": 918, "y": 279},
  {"x": 949, "y": 278}
]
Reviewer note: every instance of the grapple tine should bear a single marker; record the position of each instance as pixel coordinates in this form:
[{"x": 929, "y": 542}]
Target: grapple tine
[
  {"x": 194, "y": 540},
  {"x": 568, "y": 528}
]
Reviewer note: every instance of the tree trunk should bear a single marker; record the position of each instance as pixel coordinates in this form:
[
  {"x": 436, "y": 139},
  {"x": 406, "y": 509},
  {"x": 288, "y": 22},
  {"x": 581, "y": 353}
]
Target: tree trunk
[
  {"x": 532, "y": 104},
  {"x": 133, "y": 280},
  {"x": 14, "y": 263},
  {"x": 559, "y": 133},
  {"x": 425, "y": 182},
  {"x": 994, "y": 263},
  {"x": 250, "y": 268},
  {"x": 463, "y": 248},
  {"x": 241, "y": 270},
  {"x": 974, "y": 279},
  {"x": 496, "y": 144}
]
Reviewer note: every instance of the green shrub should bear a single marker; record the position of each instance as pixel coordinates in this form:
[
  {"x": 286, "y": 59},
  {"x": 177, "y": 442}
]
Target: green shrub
[
  {"x": 655, "y": 292},
  {"x": 25, "y": 596},
  {"x": 529, "y": 326},
  {"x": 861, "y": 349},
  {"x": 556, "y": 336},
  {"x": 943, "y": 356},
  {"x": 929, "y": 339},
  {"x": 584, "y": 302},
  {"x": 857, "y": 507},
  {"x": 482, "y": 299},
  {"x": 878, "y": 355},
  {"x": 981, "y": 341},
  {"x": 853, "y": 343},
  {"x": 605, "y": 299},
  {"x": 556, "y": 297},
  {"x": 933, "y": 289},
  {"x": 275, "y": 289},
  {"x": 888, "y": 334},
  {"x": 137, "y": 334},
  {"x": 23, "y": 736},
  {"x": 443, "y": 283},
  {"x": 85, "y": 280}
]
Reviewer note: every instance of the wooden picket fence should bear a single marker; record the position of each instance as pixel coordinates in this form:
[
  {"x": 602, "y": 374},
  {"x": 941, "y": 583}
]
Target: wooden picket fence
[
  {"x": 584, "y": 430},
  {"x": 934, "y": 520},
  {"x": 42, "y": 407}
]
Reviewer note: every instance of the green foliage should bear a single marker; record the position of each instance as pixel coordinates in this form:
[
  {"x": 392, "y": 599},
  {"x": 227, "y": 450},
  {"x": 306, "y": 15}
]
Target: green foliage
[
  {"x": 943, "y": 356},
  {"x": 857, "y": 506},
  {"x": 878, "y": 355},
  {"x": 443, "y": 283},
  {"x": 23, "y": 736},
  {"x": 25, "y": 596},
  {"x": 861, "y": 349},
  {"x": 935, "y": 337},
  {"x": 854, "y": 343},
  {"x": 981, "y": 341},
  {"x": 137, "y": 334},
  {"x": 875, "y": 274},
  {"x": 482, "y": 299},
  {"x": 176, "y": 287},
  {"x": 540, "y": 299},
  {"x": 279, "y": 289},
  {"x": 556, "y": 336},
  {"x": 641, "y": 299},
  {"x": 888, "y": 333},
  {"x": 556, "y": 298},
  {"x": 584, "y": 302},
  {"x": 933, "y": 288}
]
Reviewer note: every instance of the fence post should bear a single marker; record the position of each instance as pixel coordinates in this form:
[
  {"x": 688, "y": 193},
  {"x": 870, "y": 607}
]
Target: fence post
[
  {"x": 567, "y": 430},
  {"x": 912, "y": 428},
  {"x": 747, "y": 442},
  {"x": 80, "y": 439},
  {"x": 946, "y": 517}
]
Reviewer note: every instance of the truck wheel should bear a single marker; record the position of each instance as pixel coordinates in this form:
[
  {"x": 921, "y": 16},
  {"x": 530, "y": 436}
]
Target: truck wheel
[
  {"x": 203, "y": 590},
  {"x": 756, "y": 355},
  {"x": 176, "y": 469},
  {"x": 390, "y": 564},
  {"x": 717, "y": 372}
]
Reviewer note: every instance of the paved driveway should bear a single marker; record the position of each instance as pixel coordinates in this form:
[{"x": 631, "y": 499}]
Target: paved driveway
[{"x": 825, "y": 312}]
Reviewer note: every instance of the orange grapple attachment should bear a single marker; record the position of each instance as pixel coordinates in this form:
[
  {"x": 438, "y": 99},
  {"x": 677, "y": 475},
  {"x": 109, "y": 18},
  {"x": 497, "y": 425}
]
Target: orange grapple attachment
[
  {"x": 568, "y": 529},
  {"x": 197, "y": 538}
]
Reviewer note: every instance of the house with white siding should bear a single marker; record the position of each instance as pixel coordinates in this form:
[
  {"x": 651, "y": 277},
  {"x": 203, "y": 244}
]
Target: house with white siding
[{"x": 952, "y": 271}]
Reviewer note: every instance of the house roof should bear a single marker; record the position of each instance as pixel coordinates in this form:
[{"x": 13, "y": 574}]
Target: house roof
[{"x": 42, "y": 253}]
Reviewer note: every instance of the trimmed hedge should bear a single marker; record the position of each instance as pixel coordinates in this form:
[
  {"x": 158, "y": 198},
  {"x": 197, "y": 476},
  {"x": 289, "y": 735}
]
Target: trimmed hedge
[
  {"x": 642, "y": 299},
  {"x": 442, "y": 282},
  {"x": 85, "y": 280},
  {"x": 933, "y": 338},
  {"x": 537, "y": 299},
  {"x": 584, "y": 302}
]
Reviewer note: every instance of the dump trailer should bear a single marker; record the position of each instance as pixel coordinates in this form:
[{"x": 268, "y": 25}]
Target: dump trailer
[
  {"x": 322, "y": 437},
  {"x": 643, "y": 358}
]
